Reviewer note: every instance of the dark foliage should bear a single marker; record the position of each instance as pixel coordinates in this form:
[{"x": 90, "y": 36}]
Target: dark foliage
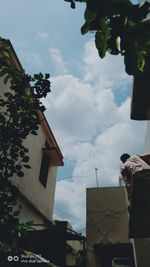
[
  {"x": 19, "y": 108},
  {"x": 120, "y": 27}
]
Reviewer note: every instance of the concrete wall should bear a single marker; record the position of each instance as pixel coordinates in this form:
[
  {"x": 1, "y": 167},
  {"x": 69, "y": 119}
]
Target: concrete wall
[
  {"x": 72, "y": 256},
  {"x": 42, "y": 198},
  {"x": 141, "y": 248},
  {"x": 30, "y": 213},
  {"x": 107, "y": 218},
  {"x": 74, "y": 252}
]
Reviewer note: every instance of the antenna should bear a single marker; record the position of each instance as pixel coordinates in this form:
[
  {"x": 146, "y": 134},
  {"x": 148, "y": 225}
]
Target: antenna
[{"x": 96, "y": 169}]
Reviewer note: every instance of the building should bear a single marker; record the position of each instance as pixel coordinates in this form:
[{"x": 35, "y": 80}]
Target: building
[
  {"x": 56, "y": 241},
  {"x": 139, "y": 218},
  {"x": 107, "y": 228},
  {"x": 37, "y": 187}
]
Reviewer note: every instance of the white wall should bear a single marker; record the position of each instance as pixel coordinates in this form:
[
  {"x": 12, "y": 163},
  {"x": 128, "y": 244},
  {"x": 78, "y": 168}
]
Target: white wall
[{"x": 42, "y": 198}]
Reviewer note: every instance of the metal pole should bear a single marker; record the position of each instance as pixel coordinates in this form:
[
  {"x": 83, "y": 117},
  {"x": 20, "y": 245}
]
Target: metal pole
[{"x": 96, "y": 169}]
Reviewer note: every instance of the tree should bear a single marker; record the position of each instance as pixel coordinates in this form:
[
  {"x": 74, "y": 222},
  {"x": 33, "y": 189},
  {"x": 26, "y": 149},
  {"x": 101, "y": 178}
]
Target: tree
[
  {"x": 120, "y": 27},
  {"x": 19, "y": 117}
]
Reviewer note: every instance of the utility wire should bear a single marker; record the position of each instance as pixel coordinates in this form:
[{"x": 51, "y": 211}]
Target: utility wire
[
  {"x": 68, "y": 177},
  {"x": 108, "y": 172},
  {"x": 66, "y": 214},
  {"x": 81, "y": 230}
]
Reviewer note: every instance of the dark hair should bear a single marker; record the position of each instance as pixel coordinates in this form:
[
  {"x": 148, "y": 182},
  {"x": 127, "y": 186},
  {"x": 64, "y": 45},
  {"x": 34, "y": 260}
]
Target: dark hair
[{"x": 124, "y": 157}]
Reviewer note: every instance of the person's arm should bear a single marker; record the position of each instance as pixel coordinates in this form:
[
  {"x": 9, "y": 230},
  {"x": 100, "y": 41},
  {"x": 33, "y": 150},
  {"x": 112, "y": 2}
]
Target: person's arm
[
  {"x": 127, "y": 179},
  {"x": 124, "y": 170}
]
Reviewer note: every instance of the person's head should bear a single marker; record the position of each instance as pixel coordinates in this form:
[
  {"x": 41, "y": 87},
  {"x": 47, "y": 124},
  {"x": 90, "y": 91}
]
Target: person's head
[{"x": 124, "y": 157}]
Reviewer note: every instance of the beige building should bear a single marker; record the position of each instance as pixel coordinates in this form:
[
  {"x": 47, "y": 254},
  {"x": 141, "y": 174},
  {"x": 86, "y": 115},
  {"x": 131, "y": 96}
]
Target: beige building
[
  {"x": 107, "y": 228},
  {"x": 37, "y": 187},
  {"x": 75, "y": 248}
]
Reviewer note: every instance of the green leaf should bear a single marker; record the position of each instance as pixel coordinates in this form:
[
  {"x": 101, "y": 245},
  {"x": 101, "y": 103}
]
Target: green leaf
[
  {"x": 7, "y": 94},
  {"x": 90, "y": 14},
  {"x": 7, "y": 77},
  {"x": 141, "y": 60},
  {"x": 3, "y": 72},
  {"x": 34, "y": 132},
  {"x": 73, "y": 4},
  {"x": 25, "y": 159},
  {"x": 27, "y": 166},
  {"x": 5, "y": 54},
  {"x": 102, "y": 37},
  {"x": 47, "y": 76},
  {"x": 29, "y": 223},
  {"x": 18, "y": 167},
  {"x": 114, "y": 47},
  {"x": 20, "y": 174},
  {"x": 26, "y": 149},
  {"x": 16, "y": 213},
  {"x": 85, "y": 28}
]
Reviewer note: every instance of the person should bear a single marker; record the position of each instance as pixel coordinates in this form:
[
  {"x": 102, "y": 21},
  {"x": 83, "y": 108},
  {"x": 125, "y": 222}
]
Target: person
[{"x": 131, "y": 165}]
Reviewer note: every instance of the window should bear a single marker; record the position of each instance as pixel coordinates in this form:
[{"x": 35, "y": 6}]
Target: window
[
  {"x": 121, "y": 262},
  {"x": 44, "y": 165}
]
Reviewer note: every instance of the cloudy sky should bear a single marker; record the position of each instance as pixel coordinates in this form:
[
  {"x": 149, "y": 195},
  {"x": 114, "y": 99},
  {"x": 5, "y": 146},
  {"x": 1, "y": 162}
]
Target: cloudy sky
[{"x": 89, "y": 107}]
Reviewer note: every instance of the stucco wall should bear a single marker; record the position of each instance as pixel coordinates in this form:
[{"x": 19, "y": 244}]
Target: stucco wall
[
  {"x": 73, "y": 255},
  {"x": 42, "y": 198},
  {"x": 30, "y": 213},
  {"x": 107, "y": 218}
]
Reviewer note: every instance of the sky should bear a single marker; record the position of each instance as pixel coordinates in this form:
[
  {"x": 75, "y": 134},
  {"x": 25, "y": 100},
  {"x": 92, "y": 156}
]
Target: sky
[{"x": 89, "y": 107}]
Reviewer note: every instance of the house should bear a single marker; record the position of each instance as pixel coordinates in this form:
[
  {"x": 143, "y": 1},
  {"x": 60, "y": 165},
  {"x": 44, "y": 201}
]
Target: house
[
  {"x": 37, "y": 187},
  {"x": 55, "y": 241},
  {"x": 107, "y": 228}
]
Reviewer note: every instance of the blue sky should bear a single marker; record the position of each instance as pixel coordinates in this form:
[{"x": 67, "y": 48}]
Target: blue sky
[
  {"x": 89, "y": 107},
  {"x": 26, "y": 20}
]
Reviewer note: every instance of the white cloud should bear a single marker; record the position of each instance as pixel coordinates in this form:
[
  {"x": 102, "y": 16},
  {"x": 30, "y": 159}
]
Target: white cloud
[
  {"x": 57, "y": 60},
  {"x": 83, "y": 109},
  {"x": 91, "y": 129},
  {"x": 43, "y": 35},
  {"x": 32, "y": 57},
  {"x": 108, "y": 72}
]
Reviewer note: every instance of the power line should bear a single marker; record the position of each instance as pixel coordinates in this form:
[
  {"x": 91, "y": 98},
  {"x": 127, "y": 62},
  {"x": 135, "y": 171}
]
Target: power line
[
  {"x": 66, "y": 214},
  {"x": 81, "y": 229},
  {"x": 68, "y": 177},
  {"x": 108, "y": 172}
]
